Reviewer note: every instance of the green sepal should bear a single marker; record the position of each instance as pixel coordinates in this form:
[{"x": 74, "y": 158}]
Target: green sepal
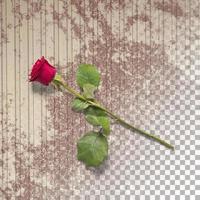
[{"x": 57, "y": 81}]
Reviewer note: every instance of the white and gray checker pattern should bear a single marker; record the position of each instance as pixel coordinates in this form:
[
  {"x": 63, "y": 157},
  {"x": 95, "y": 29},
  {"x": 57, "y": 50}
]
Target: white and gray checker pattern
[{"x": 138, "y": 169}]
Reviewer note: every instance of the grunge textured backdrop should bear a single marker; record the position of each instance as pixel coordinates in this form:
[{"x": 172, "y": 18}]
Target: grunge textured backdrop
[{"x": 148, "y": 52}]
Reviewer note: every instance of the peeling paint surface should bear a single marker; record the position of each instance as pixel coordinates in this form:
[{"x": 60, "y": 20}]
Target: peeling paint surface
[{"x": 148, "y": 54}]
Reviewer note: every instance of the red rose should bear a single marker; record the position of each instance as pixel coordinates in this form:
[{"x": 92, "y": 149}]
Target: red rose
[{"x": 42, "y": 72}]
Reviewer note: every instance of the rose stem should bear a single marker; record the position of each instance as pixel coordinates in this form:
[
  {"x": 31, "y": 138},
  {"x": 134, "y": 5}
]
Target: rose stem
[{"x": 117, "y": 118}]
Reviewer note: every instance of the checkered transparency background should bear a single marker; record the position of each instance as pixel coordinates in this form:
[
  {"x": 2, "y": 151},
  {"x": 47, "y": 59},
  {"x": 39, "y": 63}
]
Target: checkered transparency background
[
  {"x": 149, "y": 54},
  {"x": 139, "y": 169}
]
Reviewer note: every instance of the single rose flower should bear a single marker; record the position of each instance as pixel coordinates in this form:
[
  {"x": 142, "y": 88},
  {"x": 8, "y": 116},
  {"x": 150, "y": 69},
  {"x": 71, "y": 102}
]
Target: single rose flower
[{"x": 42, "y": 72}]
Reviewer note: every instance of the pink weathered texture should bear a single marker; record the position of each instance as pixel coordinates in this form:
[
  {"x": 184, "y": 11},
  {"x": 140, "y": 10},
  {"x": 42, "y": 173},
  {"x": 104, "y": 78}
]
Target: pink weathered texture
[{"x": 131, "y": 42}]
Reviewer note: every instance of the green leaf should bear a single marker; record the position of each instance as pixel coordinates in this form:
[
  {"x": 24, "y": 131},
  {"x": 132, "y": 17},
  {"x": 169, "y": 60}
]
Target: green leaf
[
  {"x": 88, "y": 91},
  {"x": 98, "y": 117},
  {"x": 92, "y": 149},
  {"x": 87, "y": 74},
  {"x": 79, "y": 105}
]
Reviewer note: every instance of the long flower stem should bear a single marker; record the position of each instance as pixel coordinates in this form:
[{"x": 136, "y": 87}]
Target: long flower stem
[
  {"x": 142, "y": 132},
  {"x": 117, "y": 118}
]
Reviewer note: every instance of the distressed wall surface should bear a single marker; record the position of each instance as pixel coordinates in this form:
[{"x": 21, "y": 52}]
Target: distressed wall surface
[{"x": 148, "y": 52}]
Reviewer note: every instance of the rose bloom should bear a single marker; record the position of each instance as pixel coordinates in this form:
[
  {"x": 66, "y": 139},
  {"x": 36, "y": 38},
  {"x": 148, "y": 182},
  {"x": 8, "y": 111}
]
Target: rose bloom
[{"x": 42, "y": 72}]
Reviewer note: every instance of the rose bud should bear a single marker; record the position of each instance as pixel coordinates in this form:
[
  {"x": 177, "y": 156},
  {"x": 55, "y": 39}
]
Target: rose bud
[{"x": 42, "y": 72}]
